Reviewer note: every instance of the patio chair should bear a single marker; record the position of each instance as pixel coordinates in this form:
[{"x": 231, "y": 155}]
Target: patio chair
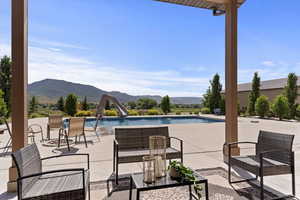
[
  {"x": 54, "y": 122},
  {"x": 75, "y": 129},
  {"x": 33, "y": 130},
  {"x": 274, "y": 156},
  {"x": 33, "y": 183}
]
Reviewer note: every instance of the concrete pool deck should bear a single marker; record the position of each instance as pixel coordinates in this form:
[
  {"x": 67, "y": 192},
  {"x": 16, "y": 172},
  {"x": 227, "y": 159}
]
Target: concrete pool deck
[{"x": 202, "y": 149}]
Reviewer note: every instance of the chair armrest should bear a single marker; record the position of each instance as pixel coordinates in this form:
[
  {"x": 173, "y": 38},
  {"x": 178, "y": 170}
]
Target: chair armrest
[
  {"x": 71, "y": 154},
  {"x": 234, "y": 143},
  {"x": 181, "y": 142}
]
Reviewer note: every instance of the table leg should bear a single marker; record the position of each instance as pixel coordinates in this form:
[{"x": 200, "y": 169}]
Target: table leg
[
  {"x": 206, "y": 190},
  {"x": 190, "y": 190},
  {"x": 130, "y": 190}
]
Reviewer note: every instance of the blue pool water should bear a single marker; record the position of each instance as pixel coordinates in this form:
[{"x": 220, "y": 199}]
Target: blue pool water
[{"x": 136, "y": 121}]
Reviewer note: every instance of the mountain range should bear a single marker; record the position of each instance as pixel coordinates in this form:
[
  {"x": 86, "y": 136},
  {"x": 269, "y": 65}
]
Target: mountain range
[{"x": 49, "y": 90}]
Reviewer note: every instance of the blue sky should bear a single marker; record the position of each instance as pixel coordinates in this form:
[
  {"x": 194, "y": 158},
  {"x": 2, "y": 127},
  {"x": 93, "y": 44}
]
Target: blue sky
[{"x": 149, "y": 47}]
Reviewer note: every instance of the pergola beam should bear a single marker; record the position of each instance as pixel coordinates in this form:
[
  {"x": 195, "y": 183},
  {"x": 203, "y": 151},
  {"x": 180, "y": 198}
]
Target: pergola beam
[{"x": 19, "y": 53}]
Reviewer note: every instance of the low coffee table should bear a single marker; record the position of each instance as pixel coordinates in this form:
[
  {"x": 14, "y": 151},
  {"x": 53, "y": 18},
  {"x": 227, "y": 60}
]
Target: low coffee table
[{"x": 164, "y": 182}]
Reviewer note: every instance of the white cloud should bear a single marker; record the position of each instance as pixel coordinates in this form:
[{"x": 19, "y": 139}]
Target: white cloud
[
  {"x": 194, "y": 68},
  {"x": 268, "y": 63},
  {"x": 57, "y": 64},
  {"x": 56, "y": 44}
]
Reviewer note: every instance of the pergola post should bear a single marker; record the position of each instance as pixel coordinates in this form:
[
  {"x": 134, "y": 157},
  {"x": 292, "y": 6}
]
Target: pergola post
[
  {"x": 231, "y": 124},
  {"x": 19, "y": 53}
]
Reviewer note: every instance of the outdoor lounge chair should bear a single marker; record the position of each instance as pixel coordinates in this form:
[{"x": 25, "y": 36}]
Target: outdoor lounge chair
[
  {"x": 33, "y": 183},
  {"x": 274, "y": 156},
  {"x": 131, "y": 144},
  {"x": 75, "y": 129},
  {"x": 54, "y": 122}
]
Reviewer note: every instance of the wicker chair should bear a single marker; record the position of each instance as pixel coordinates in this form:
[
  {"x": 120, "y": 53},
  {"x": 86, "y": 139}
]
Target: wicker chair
[
  {"x": 75, "y": 129},
  {"x": 54, "y": 122},
  {"x": 34, "y": 184},
  {"x": 131, "y": 144},
  {"x": 274, "y": 156}
]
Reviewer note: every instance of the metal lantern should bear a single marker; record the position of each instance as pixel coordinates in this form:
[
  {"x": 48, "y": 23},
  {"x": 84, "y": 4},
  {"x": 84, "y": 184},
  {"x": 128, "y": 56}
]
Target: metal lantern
[
  {"x": 157, "y": 145},
  {"x": 149, "y": 169}
]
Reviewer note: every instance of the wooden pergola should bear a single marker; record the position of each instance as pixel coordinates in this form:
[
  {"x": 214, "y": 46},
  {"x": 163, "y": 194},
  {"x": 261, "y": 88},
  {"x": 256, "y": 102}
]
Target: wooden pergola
[{"x": 19, "y": 52}]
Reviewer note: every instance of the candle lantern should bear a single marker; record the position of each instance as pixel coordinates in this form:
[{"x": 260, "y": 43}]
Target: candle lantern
[
  {"x": 149, "y": 169},
  {"x": 157, "y": 145}
]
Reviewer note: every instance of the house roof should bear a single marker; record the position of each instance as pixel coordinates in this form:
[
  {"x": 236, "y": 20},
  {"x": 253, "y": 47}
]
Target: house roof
[{"x": 266, "y": 85}]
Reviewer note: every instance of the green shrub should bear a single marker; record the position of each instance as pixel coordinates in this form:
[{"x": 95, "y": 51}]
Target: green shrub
[
  {"x": 133, "y": 113},
  {"x": 205, "y": 110},
  {"x": 71, "y": 105},
  {"x": 298, "y": 111},
  {"x": 110, "y": 113},
  {"x": 280, "y": 107},
  {"x": 262, "y": 106},
  {"x": 3, "y": 107},
  {"x": 178, "y": 113},
  {"x": 142, "y": 112},
  {"x": 84, "y": 113},
  {"x": 153, "y": 112},
  {"x": 35, "y": 115}
]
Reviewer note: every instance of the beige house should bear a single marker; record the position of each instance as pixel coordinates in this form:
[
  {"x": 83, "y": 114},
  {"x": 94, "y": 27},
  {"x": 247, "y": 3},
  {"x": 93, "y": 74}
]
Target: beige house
[{"x": 269, "y": 88}]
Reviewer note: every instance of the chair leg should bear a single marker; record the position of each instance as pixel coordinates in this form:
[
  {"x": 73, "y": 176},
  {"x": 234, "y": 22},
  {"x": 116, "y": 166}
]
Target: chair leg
[
  {"x": 89, "y": 192},
  {"x": 293, "y": 183},
  {"x": 229, "y": 171},
  {"x": 262, "y": 187},
  {"x": 67, "y": 140},
  {"x": 59, "y": 134},
  {"x": 85, "y": 140},
  {"x": 117, "y": 173}
]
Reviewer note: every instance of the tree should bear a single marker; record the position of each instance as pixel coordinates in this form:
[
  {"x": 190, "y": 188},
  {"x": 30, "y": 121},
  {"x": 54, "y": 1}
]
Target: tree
[
  {"x": 131, "y": 104},
  {"x": 3, "y": 108},
  {"x": 280, "y": 106},
  {"x": 146, "y": 103},
  {"x": 71, "y": 105},
  {"x": 33, "y": 105},
  {"x": 61, "y": 104},
  {"x": 254, "y": 94},
  {"x": 165, "y": 104},
  {"x": 84, "y": 104},
  {"x": 215, "y": 96},
  {"x": 291, "y": 93},
  {"x": 5, "y": 81},
  {"x": 262, "y": 106},
  {"x": 206, "y": 98}
]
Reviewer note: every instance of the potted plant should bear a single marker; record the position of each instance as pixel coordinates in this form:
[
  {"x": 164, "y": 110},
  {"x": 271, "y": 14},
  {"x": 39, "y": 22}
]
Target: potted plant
[{"x": 179, "y": 172}]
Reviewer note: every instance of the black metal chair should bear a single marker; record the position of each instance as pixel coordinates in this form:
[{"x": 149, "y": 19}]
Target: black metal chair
[
  {"x": 33, "y": 183},
  {"x": 274, "y": 156}
]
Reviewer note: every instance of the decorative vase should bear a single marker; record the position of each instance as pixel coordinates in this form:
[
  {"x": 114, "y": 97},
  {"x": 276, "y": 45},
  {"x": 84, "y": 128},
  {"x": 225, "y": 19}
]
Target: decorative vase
[
  {"x": 157, "y": 145},
  {"x": 149, "y": 169}
]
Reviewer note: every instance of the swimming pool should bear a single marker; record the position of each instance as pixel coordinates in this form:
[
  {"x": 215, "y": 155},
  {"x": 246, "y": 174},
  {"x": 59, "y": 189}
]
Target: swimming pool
[{"x": 158, "y": 120}]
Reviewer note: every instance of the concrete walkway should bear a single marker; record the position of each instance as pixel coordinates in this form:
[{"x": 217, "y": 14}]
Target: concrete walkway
[{"x": 202, "y": 149}]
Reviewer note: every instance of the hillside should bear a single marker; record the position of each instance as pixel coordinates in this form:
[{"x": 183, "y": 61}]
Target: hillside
[{"x": 49, "y": 90}]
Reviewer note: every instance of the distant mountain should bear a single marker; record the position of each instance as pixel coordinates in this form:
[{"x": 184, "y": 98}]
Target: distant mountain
[{"x": 49, "y": 90}]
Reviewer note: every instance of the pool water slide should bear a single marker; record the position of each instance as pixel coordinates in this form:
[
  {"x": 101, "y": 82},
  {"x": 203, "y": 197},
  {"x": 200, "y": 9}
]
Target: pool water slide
[{"x": 101, "y": 106}]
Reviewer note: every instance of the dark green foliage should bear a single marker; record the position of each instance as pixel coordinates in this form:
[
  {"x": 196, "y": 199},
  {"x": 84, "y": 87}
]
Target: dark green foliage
[
  {"x": 71, "y": 105},
  {"x": 107, "y": 105},
  {"x": 84, "y": 104},
  {"x": 33, "y": 105},
  {"x": 165, "y": 104},
  {"x": 61, "y": 104},
  {"x": 5, "y": 81},
  {"x": 146, "y": 103},
  {"x": 131, "y": 104},
  {"x": 254, "y": 94},
  {"x": 206, "y": 98},
  {"x": 3, "y": 108},
  {"x": 222, "y": 105},
  {"x": 298, "y": 111},
  {"x": 291, "y": 93},
  {"x": 280, "y": 107},
  {"x": 215, "y": 97},
  {"x": 262, "y": 106}
]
